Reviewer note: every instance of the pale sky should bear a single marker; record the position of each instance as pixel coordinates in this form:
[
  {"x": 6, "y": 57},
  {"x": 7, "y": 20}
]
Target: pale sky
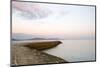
[{"x": 63, "y": 21}]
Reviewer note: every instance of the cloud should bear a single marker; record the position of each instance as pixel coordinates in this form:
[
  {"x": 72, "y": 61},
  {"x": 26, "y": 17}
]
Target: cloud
[{"x": 30, "y": 11}]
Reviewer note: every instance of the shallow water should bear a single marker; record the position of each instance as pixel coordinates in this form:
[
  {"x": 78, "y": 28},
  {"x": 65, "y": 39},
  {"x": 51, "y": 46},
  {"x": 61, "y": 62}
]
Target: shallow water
[{"x": 72, "y": 50}]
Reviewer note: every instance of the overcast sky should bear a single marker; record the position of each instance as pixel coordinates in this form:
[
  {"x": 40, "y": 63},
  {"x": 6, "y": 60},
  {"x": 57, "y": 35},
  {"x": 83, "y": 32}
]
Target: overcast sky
[{"x": 53, "y": 20}]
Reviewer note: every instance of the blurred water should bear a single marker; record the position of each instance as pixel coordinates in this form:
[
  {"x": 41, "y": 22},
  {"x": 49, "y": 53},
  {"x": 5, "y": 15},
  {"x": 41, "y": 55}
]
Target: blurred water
[{"x": 75, "y": 50}]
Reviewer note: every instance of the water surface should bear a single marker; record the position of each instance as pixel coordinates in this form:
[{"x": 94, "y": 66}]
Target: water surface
[{"x": 75, "y": 50}]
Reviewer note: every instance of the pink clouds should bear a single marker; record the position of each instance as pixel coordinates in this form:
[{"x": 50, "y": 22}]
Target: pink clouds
[{"x": 35, "y": 9}]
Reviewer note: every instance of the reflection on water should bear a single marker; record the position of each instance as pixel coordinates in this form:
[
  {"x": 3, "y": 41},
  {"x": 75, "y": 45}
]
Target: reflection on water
[{"x": 72, "y": 50}]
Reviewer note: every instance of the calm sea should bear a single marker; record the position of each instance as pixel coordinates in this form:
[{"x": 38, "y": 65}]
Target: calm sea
[{"x": 75, "y": 50}]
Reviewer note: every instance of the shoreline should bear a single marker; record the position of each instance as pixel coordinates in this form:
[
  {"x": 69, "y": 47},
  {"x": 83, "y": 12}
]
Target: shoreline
[{"x": 24, "y": 54}]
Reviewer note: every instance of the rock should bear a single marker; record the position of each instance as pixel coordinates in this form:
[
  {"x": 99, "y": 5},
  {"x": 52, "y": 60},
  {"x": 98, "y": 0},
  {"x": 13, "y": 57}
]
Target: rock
[
  {"x": 41, "y": 45},
  {"x": 21, "y": 55}
]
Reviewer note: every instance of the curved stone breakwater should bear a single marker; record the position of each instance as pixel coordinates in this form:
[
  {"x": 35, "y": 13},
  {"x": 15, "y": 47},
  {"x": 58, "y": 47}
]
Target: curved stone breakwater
[{"x": 30, "y": 53}]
